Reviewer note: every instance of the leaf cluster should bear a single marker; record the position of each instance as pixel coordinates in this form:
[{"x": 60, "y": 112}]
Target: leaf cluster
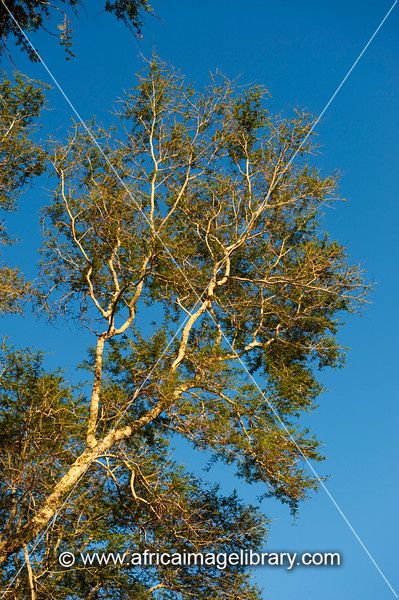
[{"x": 35, "y": 16}]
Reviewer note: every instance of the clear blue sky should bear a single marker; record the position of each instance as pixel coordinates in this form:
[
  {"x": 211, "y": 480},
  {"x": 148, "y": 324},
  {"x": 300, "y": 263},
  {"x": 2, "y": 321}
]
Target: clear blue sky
[{"x": 300, "y": 51}]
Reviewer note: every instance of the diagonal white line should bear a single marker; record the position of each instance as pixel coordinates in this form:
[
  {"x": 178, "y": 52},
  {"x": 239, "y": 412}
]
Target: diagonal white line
[
  {"x": 334, "y": 95},
  {"x": 43, "y": 533},
  {"x": 167, "y": 250},
  {"x": 41, "y": 536}
]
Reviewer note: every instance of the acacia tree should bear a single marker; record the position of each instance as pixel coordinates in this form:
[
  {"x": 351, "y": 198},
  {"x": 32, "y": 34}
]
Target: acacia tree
[
  {"x": 189, "y": 242},
  {"x": 21, "y": 159}
]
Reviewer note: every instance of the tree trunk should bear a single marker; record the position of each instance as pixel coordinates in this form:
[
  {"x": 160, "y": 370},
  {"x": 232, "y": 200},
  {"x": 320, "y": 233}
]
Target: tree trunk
[
  {"x": 54, "y": 502},
  {"x": 66, "y": 484}
]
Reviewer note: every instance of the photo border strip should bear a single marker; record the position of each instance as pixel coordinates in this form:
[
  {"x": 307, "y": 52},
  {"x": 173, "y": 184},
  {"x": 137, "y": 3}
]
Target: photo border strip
[{"x": 284, "y": 427}]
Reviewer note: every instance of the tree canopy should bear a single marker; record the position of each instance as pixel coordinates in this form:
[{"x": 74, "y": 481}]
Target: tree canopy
[
  {"x": 188, "y": 240},
  {"x": 42, "y": 429}
]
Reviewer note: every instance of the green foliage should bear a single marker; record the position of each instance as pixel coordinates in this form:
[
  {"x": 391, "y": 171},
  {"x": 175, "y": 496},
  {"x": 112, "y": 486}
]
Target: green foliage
[
  {"x": 13, "y": 290},
  {"x": 41, "y": 425},
  {"x": 21, "y": 101},
  {"x": 21, "y": 159},
  {"x": 39, "y": 422}
]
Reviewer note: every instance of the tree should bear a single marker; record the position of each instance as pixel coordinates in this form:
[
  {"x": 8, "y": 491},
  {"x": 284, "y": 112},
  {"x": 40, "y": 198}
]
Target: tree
[
  {"x": 35, "y": 16},
  {"x": 21, "y": 159},
  {"x": 42, "y": 428},
  {"x": 189, "y": 242}
]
